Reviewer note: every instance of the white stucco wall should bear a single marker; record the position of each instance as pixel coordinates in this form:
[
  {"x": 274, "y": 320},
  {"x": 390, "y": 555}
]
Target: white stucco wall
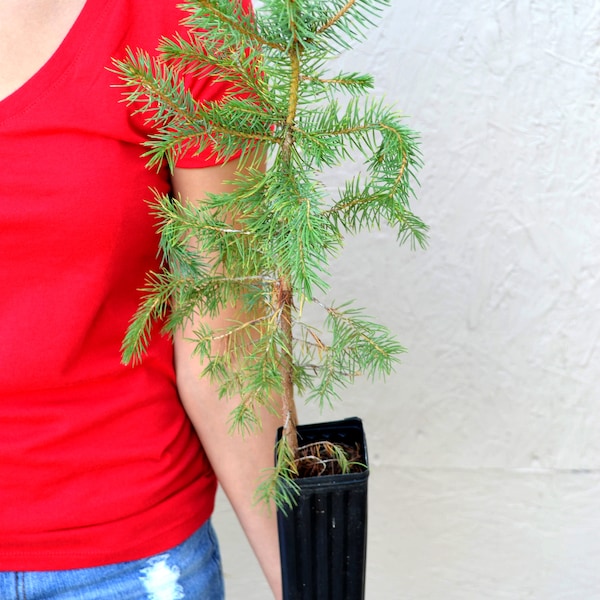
[{"x": 485, "y": 445}]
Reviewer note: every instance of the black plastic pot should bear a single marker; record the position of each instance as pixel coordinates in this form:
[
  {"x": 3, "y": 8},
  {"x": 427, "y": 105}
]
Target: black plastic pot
[{"x": 323, "y": 539}]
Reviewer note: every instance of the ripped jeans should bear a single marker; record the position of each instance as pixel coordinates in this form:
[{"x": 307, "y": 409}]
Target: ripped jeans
[{"x": 190, "y": 571}]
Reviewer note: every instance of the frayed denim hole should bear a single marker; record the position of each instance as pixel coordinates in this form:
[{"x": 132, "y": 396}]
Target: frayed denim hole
[{"x": 161, "y": 580}]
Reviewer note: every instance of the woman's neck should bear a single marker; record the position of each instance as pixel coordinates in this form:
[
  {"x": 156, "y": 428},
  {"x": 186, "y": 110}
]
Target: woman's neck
[{"x": 30, "y": 33}]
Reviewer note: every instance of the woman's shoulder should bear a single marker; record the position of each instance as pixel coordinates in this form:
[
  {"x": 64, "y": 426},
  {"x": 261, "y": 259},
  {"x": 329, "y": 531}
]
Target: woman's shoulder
[{"x": 162, "y": 12}]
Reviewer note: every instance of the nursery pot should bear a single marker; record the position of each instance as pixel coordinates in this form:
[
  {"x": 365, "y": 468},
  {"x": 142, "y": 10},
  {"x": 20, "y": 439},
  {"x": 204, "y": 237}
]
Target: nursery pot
[{"x": 323, "y": 538}]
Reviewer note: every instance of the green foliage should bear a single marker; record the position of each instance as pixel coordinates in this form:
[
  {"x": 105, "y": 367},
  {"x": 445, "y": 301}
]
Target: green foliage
[
  {"x": 280, "y": 485},
  {"x": 267, "y": 245}
]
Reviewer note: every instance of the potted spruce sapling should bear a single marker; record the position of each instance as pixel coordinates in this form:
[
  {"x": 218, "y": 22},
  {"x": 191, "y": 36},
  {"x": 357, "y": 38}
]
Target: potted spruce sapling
[{"x": 267, "y": 245}]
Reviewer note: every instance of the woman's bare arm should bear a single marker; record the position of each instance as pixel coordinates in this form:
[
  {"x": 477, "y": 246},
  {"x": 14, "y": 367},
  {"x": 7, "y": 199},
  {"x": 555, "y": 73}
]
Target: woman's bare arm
[{"x": 238, "y": 461}]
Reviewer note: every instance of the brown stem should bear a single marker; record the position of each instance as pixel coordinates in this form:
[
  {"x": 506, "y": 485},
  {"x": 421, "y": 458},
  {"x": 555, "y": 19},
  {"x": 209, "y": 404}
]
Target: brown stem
[
  {"x": 290, "y": 418},
  {"x": 290, "y": 121},
  {"x": 286, "y": 297},
  {"x": 295, "y": 84}
]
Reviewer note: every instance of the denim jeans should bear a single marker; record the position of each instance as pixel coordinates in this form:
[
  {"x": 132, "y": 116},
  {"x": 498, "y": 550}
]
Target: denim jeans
[{"x": 190, "y": 571}]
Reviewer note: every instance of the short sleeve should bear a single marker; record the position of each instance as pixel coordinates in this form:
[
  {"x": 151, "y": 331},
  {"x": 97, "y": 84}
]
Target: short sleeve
[{"x": 208, "y": 89}]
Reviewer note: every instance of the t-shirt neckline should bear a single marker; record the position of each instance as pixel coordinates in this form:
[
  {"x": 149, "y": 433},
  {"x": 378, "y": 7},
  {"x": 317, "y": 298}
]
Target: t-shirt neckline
[{"x": 34, "y": 88}]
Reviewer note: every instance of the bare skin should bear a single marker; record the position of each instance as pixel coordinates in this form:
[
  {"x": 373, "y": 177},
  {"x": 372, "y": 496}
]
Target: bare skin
[
  {"x": 46, "y": 22},
  {"x": 238, "y": 462}
]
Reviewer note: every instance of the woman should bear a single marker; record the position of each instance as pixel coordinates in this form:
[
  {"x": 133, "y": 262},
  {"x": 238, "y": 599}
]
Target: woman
[{"x": 105, "y": 490}]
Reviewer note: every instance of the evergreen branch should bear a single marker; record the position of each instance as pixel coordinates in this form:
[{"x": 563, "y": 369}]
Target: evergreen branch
[
  {"x": 363, "y": 342},
  {"x": 360, "y": 331},
  {"x": 353, "y": 82},
  {"x": 360, "y": 200},
  {"x": 243, "y": 418},
  {"x": 340, "y": 207},
  {"x": 227, "y": 60},
  {"x": 180, "y": 120},
  {"x": 158, "y": 292},
  {"x": 239, "y": 328},
  {"x": 347, "y": 24},
  {"x": 158, "y": 86},
  {"x": 336, "y": 17},
  {"x": 191, "y": 60},
  {"x": 254, "y": 137},
  {"x": 223, "y": 141},
  {"x": 223, "y": 17},
  {"x": 372, "y": 209},
  {"x": 400, "y": 175},
  {"x": 279, "y": 485}
]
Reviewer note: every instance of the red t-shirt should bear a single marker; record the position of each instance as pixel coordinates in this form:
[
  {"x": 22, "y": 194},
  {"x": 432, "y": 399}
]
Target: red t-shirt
[{"x": 98, "y": 462}]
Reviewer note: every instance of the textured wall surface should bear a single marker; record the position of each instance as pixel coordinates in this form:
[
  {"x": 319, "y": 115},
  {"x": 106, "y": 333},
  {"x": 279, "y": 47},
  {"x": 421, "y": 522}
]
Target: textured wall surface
[{"x": 485, "y": 444}]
